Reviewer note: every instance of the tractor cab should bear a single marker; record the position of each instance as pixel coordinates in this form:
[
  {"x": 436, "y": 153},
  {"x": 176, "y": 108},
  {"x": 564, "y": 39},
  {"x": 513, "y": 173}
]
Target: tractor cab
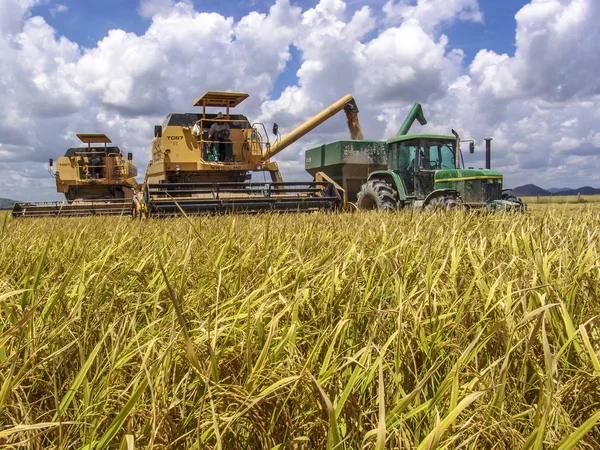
[{"x": 416, "y": 158}]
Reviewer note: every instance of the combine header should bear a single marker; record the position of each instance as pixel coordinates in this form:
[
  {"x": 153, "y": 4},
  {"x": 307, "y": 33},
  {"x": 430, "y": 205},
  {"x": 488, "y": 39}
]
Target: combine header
[
  {"x": 203, "y": 163},
  {"x": 95, "y": 181}
]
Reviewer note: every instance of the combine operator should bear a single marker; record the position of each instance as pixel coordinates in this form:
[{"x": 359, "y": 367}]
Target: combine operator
[{"x": 219, "y": 134}]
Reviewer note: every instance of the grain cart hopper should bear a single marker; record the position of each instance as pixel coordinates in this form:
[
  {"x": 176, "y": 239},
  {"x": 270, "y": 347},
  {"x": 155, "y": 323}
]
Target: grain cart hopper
[
  {"x": 95, "y": 180},
  {"x": 413, "y": 170},
  {"x": 186, "y": 172}
]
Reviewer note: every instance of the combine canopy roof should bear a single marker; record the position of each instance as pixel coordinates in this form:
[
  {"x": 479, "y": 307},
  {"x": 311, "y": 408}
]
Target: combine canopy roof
[
  {"x": 221, "y": 99},
  {"x": 94, "y": 138},
  {"x": 189, "y": 119},
  {"x": 71, "y": 152}
]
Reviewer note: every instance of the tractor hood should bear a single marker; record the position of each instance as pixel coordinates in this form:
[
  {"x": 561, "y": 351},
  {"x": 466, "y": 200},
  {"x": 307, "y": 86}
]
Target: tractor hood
[
  {"x": 451, "y": 175},
  {"x": 475, "y": 186}
]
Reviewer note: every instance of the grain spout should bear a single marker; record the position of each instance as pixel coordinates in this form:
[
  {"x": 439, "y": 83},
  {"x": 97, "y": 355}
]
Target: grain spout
[{"x": 356, "y": 133}]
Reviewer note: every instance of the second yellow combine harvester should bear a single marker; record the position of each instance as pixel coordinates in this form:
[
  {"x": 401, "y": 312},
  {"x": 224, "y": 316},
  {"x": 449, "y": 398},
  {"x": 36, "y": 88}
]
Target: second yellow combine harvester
[
  {"x": 95, "y": 180},
  {"x": 199, "y": 167}
]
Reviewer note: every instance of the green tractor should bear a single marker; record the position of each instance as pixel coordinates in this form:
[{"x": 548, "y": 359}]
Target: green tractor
[
  {"x": 427, "y": 171},
  {"x": 422, "y": 171}
]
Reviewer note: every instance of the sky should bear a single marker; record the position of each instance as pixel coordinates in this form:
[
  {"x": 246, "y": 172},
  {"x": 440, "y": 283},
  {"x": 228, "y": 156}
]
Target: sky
[{"x": 525, "y": 73}]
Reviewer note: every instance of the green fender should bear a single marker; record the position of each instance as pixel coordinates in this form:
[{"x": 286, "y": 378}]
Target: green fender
[{"x": 392, "y": 178}]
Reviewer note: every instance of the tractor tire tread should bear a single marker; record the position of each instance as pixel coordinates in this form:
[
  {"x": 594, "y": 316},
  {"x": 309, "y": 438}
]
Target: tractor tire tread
[{"x": 377, "y": 194}]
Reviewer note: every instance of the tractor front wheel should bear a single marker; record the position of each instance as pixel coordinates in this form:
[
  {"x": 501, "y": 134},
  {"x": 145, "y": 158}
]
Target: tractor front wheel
[
  {"x": 377, "y": 195},
  {"x": 442, "y": 202}
]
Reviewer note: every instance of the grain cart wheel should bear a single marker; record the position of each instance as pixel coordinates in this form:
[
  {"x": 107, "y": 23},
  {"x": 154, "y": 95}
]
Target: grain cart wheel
[{"x": 377, "y": 195}]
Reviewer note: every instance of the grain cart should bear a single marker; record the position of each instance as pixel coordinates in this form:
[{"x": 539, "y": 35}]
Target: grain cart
[
  {"x": 412, "y": 170},
  {"x": 95, "y": 180},
  {"x": 187, "y": 173}
]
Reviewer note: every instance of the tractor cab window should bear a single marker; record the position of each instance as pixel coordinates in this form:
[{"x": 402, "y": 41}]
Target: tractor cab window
[
  {"x": 436, "y": 155},
  {"x": 402, "y": 160},
  {"x": 401, "y": 156}
]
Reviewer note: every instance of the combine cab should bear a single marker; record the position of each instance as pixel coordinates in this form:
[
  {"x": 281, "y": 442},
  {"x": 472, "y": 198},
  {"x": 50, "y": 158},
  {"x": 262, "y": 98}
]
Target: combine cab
[
  {"x": 95, "y": 180},
  {"x": 196, "y": 172}
]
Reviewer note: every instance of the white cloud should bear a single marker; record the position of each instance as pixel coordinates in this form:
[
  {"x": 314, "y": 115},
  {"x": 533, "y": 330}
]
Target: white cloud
[
  {"x": 557, "y": 43},
  {"x": 566, "y": 143},
  {"x": 184, "y": 52},
  {"x": 58, "y": 8},
  {"x": 420, "y": 69},
  {"x": 431, "y": 14},
  {"x": 151, "y": 8},
  {"x": 12, "y": 13}
]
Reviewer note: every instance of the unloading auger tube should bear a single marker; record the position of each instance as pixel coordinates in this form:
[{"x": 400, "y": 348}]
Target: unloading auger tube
[{"x": 346, "y": 102}]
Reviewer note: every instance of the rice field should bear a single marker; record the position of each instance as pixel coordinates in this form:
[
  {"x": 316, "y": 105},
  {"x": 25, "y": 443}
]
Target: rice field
[
  {"x": 415, "y": 331},
  {"x": 559, "y": 199}
]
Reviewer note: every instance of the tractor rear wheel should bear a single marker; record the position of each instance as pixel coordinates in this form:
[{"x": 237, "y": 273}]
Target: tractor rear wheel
[{"x": 377, "y": 195}]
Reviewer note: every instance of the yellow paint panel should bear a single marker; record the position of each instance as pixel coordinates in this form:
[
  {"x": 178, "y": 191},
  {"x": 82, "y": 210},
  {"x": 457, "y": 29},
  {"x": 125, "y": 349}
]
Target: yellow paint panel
[
  {"x": 481, "y": 177},
  {"x": 94, "y": 138},
  {"x": 221, "y": 99}
]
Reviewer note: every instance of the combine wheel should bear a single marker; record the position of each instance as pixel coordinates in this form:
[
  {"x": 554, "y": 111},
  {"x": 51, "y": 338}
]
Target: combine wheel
[{"x": 377, "y": 195}]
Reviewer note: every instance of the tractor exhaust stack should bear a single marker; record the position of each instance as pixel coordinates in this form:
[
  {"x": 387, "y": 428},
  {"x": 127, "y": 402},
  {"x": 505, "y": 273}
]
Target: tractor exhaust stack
[{"x": 488, "y": 152}]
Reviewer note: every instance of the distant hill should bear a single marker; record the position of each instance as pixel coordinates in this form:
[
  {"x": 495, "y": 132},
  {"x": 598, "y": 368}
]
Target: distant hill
[
  {"x": 6, "y": 203},
  {"x": 530, "y": 190},
  {"x": 584, "y": 190}
]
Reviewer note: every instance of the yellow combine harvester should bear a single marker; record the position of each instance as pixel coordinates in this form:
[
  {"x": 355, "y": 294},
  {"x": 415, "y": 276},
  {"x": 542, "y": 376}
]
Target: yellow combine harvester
[
  {"x": 95, "y": 181},
  {"x": 203, "y": 163}
]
